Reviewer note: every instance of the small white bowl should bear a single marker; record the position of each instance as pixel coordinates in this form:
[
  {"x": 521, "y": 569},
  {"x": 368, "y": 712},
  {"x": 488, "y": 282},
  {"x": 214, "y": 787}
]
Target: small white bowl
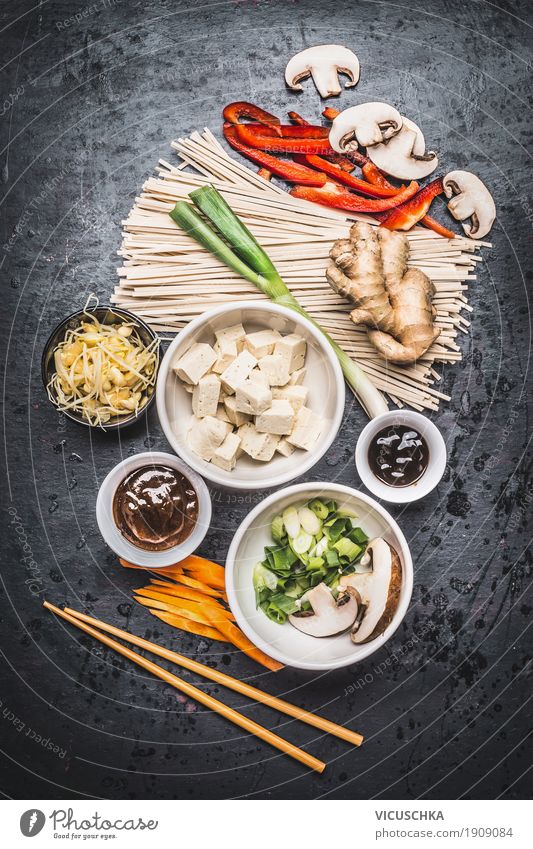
[
  {"x": 323, "y": 378},
  {"x": 433, "y": 473},
  {"x": 284, "y": 642},
  {"x": 112, "y": 535}
]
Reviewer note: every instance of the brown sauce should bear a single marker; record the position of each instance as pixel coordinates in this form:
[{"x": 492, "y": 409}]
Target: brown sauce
[
  {"x": 398, "y": 455},
  {"x": 155, "y": 508}
]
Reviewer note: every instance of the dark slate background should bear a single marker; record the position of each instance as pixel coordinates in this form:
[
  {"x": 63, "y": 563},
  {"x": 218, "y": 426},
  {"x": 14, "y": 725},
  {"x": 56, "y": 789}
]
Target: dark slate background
[{"x": 88, "y": 107}]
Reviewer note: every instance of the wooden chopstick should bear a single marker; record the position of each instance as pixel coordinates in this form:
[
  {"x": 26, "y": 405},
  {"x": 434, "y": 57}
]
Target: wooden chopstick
[
  {"x": 226, "y": 681},
  {"x": 194, "y": 693}
]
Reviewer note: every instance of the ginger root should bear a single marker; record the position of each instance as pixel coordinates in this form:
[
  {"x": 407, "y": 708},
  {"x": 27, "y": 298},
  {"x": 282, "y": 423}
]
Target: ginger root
[{"x": 370, "y": 270}]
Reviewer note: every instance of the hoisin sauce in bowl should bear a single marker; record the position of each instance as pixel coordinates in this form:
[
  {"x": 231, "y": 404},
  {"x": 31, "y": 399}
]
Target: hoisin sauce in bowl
[{"x": 155, "y": 507}]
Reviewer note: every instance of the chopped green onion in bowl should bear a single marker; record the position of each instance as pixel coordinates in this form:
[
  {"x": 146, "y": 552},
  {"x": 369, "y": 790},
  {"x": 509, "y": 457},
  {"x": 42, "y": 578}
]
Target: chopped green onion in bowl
[{"x": 312, "y": 544}]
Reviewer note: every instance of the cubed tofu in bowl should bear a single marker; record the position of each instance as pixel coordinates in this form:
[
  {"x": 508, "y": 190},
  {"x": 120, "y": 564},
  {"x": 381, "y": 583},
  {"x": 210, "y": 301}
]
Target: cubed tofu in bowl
[{"x": 269, "y": 414}]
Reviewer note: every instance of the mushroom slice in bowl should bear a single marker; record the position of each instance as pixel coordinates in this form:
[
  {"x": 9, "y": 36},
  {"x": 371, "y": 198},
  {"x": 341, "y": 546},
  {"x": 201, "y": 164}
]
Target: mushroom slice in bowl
[
  {"x": 378, "y": 590},
  {"x": 328, "y": 615}
]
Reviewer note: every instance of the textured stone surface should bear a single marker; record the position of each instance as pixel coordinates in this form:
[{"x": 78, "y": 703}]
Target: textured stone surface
[{"x": 89, "y": 107}]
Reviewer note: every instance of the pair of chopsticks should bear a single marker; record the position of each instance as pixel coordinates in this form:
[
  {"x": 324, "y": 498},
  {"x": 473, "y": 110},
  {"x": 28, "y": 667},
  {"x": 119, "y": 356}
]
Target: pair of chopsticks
[{"x": 85, "y": 623}]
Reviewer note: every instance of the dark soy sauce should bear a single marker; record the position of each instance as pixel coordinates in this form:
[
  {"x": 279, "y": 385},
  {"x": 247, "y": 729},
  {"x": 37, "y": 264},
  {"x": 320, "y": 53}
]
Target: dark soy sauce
[{"x": 398, "y": 455}]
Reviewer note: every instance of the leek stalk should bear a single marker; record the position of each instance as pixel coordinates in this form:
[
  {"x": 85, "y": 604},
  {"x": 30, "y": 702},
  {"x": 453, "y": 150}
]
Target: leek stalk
[{"x": 239, "y": 250}]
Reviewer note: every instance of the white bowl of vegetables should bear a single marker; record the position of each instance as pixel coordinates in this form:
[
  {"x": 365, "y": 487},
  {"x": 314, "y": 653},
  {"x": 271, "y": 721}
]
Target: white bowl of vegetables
[
  {"x": 319, "y": 576},
  {"x": 208, "y": 377}
]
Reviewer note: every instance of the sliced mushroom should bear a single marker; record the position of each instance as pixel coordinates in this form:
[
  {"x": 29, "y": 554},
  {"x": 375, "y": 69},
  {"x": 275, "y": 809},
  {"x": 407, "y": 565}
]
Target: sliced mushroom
[
  {"x": 365, "y": 125},
  {"x": 379, "y": 591},
  {"x": 404, "y": 155},
  {"x": 470, "y": 198},
  {"x": 323, "y": 63},
  {"x": 328, "y": 616}
]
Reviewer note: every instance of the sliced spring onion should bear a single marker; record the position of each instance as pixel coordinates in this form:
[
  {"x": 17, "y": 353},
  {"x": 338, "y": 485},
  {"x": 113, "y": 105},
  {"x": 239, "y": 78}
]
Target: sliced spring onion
[
  {"x": 347, "y": 550},
  {"x": 319, "y": 508},
  {"x": 302, "y": 543},
  {"x": 309, "y": 521},
  {"x": 296, "y": 564},
  {"x": 277, "y": 529},
  {"x": 291, "y": 521}
]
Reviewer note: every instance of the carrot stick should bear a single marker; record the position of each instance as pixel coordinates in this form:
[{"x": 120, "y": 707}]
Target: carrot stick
[
  {"x": 179, "y": 591},
  {"x": 175, "y": 609},
  {"x": 205, "y": 570},
  {"x": 235, "y": 635},
  {"x": 188, "y": 625},
  {"x": 188, "y": 603},
  {"x": 194, "y": 583},
  {"x": 191, "y": 583},
  {"x": 170, "y": 571},
  {"x": 192, "y": 607}
]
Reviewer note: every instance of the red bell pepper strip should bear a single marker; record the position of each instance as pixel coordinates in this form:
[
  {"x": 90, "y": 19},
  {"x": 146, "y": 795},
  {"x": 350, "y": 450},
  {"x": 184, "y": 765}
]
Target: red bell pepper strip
[
  {"x": 297, "y": 118},
  {"x": 290, "y": 171},
  {"x": 289, "y": 131},
  {"x": 330, "y": 113},
  {"x": 339, "y": 160},
  {"x": 338, "y": 198},
  {"x": 439, "y": 228},
  {"x": 282, "y": 145},
  {"x": 347, "y": 179},
  {"x": 410, "y": 213},
  {"x": 233, "y": 112},
  {"x": 372, "y": 173}
]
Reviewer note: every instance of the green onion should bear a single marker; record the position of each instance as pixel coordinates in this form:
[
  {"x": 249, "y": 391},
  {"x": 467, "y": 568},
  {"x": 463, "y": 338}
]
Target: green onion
[
  {"x": 278, "y": 529},
  {"x": 242, "y": 253},
  {"x": 347, "y": 550}
]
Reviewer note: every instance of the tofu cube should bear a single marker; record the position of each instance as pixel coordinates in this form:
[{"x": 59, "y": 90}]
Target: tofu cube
[
  {"x": 307, "y": 428},
  {"x": 276, "y": 368},
  {"x": 222, "y": 413},
  {"x": 253, "y": 398},
  {"x": 295, "y": 395},
  {"x": 293, "y": 349},
  {"x": 194, "y": 363},
  {"x": 258, "y": 446},
  {"x": 278, "y": 419},
  {"x": 225, "y": 356},
  {"x": 225, "y": 457},
  {"x": 205, "y": 435},
  {"x": 258, "y": 376},
  {"x": 238, "y": 371},
  {"x": 205, "y": 396},
  {"x": 285, "y": 448},
  {"x": 234, "y": 334},
  {"x": 261, "y": 343},
  {"x": 234, "y": 415},
  {"x": 297, "y": 377}
]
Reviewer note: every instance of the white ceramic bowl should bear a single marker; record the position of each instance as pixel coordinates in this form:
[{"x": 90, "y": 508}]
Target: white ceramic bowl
[
  {"x": 284, "y": 642},
  {"x": 433, "y": 473},
  {"x": 323, "y": 378},
  {"x": 120, "y": 545}
]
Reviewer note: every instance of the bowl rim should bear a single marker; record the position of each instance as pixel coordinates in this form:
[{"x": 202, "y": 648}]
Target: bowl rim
[
  {"x": 152, "y": 559},
  {"x": 367, "y": 649},
  {"x": 431, "y": 477},
  {"x": 203, "y": 468},
  {"x": 74, "y": 315}
]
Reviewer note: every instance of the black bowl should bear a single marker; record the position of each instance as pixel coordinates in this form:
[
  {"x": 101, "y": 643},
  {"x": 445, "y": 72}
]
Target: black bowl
[{"x": 106, "y": 314}]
